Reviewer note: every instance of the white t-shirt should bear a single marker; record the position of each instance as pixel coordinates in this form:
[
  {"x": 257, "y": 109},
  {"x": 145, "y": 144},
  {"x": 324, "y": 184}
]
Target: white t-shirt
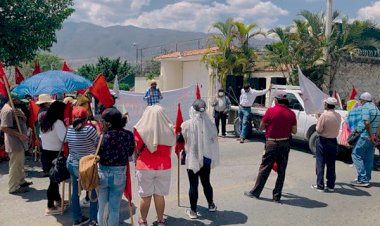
[
  {"x": 53, "y": 139},
  {"x": 247, "y": 99}
]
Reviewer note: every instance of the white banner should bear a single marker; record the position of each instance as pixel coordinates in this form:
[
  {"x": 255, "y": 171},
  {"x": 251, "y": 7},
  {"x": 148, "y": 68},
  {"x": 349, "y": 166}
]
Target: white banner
[{"x": 134, "y": 104}]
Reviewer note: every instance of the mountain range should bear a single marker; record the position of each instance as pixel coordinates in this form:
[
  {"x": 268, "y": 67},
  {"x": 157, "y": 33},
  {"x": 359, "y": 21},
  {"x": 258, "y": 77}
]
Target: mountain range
[{"x": 82, "y": 43}]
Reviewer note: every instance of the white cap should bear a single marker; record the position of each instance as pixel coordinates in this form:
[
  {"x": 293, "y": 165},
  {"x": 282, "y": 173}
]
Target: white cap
[
  {"x": 281, "y": 94},
  {"x": 331, "y": 101},
  {"x": 365, "y": 96}
]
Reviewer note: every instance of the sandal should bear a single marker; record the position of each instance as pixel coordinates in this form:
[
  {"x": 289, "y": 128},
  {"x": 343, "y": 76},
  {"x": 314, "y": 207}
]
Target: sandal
[
  {"x": 141, "y": 222},
  {"x": 161, "y": 222}
]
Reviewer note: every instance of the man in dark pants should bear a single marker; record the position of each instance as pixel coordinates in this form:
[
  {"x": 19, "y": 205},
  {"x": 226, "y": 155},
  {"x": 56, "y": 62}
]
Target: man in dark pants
[
  {"x": 279, "y": 122},
  {"x": 327, "y": 146},
  {"x": 222, "y": 105}
]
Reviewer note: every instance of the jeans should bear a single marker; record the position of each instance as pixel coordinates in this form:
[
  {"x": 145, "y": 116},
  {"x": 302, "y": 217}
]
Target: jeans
[
  {"x": 73, "y": 168},
  {"x": 220, "y": 116},
  {"x": 275, "y": 151},
  {"x": 112, "y": 181},
  {"x": 244, "y": 116},
  {"x": 204, "y": 175},
  {"x": 362, "y": 157},
  {"x": 325, "y": 156}
]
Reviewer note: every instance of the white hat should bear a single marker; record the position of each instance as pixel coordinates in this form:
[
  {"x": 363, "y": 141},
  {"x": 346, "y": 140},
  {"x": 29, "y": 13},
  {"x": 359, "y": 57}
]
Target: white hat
[
  {"x": 365, "y": 96},
  {"x": 44, "y": 98},
  {"x": 331, "y": 101},
  {"x": 281, "y": 94}
]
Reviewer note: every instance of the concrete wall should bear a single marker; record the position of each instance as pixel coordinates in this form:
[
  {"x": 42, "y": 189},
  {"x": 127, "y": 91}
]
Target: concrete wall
[
  {"x": 141, "y": 84},
  {"x": 363, "y": 73},
  {"x": 196, "y": 72},
  {"x": 171, "y": 75}
]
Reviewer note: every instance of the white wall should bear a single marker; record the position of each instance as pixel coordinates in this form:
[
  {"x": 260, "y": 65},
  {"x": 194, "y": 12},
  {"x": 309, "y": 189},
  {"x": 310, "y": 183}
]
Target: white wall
[
  {"x": 141, "y": 84},
  {"x": 196, "y": 72},
  {"x": 171, "y": 75}
]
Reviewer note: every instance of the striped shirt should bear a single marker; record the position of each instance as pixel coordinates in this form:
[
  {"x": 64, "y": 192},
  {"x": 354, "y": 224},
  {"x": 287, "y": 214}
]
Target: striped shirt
[
  {"x": 372, "y": 114},
  {"x": 82, "y": 142}
]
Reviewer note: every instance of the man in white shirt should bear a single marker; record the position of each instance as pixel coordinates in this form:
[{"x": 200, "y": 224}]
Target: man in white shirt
[{"x": 247, "y": 98}]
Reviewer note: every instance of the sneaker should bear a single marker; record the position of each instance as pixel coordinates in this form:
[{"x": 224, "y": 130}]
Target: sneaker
[
  {"x": 82, "y": 221},
  {"x": 93, "y": 223},
  {"x": 212, "y": 207},
  {"x": 20, "y": 190},
  {"x": 161, "y": 222},
  {"x": 314, "y": 186},
  {"x": 250, "y": 195},
  {"x": 26, "y": 184},
  {"x": 53, "y": 211},
  {"x": 141, "y": 222},
  {"x": 84, "y": 203},
  {"x": 330, "y": 189},
  {"x": 191, "y": 214},
  {"x": 357, "y": 183}
]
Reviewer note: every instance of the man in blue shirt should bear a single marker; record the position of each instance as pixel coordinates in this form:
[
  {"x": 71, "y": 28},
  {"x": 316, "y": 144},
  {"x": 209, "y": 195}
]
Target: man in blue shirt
[
  {"x": 364, "y": 149},
  {"x": 153, "y": 94}
]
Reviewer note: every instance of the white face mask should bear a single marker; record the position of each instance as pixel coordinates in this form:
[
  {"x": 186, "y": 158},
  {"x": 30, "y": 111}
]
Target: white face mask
[{"x": 221, "y": 94}]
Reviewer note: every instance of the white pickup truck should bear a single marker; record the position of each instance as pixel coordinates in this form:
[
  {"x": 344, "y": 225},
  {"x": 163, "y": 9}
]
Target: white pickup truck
[{"x": 305, "y": 123}]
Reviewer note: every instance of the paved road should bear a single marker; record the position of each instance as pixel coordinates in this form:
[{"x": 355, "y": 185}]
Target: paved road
[{"x": 239, "y": 165}]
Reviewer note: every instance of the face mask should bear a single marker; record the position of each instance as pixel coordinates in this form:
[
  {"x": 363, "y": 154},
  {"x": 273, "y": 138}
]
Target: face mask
[
  {"x": 154, "y": 87},
  {"x": 221, "y": 94},
  {"x": 246, "y": 90}
]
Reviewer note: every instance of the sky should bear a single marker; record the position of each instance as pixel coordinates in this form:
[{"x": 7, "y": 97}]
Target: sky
[{"x": 199, "y": 15}]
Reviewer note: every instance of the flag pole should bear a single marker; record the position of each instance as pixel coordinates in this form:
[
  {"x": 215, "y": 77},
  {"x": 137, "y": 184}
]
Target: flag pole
[
  {"x": 11, "y": 102},
  {"x": 131, "y": 212},
  {"x": 178, "y": 179}
]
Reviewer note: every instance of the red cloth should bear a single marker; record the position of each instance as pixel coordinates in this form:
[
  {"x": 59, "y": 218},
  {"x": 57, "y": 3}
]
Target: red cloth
[
  {"x": 280, "y": 120},
  {"x": 34, "y": 109},
  {"x": 274, "y": 167},
  {"x": 68, "y": 119},
  {"x": 353, "y": 93},
  {"x": 128, "y": 185},
  {"x": 37, "y": 68},
  {"x": 18, "y": 76},
  {"x": 344, "y": 135},
  {"x": 65, "y": 67},
  {"x": 3, "y": 90},
  {"x": 101, "y": 91},
  {"x": 158, "y": 160},
  {"x": 179, "y": 146},
  {"x": 198, "y": 93}
]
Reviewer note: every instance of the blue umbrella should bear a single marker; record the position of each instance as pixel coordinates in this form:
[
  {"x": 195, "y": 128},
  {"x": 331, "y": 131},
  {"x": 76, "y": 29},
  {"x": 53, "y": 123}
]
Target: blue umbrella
[{"x": 52, "y": 82}]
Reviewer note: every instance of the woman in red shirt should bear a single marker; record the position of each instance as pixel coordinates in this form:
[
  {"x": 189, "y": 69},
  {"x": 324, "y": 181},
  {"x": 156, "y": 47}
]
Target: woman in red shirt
[{"x": 154, "y": 136}]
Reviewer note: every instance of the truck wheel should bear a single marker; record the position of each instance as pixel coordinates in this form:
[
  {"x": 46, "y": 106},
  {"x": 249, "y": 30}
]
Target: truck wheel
[
  {"x": 237, "y": 127},
  {"x": 313, "y": 143}
]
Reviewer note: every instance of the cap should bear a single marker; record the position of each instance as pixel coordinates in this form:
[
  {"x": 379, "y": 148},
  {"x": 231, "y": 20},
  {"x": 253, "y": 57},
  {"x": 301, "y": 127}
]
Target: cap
[
  {"x": 80, "y": 112},
  {"x": 16, "y": 96},
  {"x": 112, "y": 115},
  {"x": 44, "y": 98},
  {"x": 280, "y": 95},
  {"x": 365, "y": 96},
  {"x": 331, "y": 101},
  {"x": 199, "y": 105}
]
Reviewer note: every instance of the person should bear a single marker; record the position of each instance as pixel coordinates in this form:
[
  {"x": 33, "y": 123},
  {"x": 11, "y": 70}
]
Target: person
[
  {"x": 44, "y": 101},
  {"x": 222, "y": 105},
  {"x": 247, "y": 98},
  {"x": 328, "y": 126},
  {"x": 279, "y": 123},
  {"x": 201, "y": 144},
  {"x": 52, "y": 136},
  {"x": 116, "y": 147},
  {"x": 364, "y": 149},
  {"x": 14, "y": 141},
  {"x": 153, "y": 94},
  {"x": 81, "y": 138},
  {"x": 84, "y": 100},
  {"x": 154, "y": 135}
]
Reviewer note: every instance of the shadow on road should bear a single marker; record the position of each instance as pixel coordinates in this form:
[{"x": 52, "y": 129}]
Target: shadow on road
[
  {"x": 124, "y": 212},
  {"x": 295, "y": 200},
  {"x": 348, "y": 189}
]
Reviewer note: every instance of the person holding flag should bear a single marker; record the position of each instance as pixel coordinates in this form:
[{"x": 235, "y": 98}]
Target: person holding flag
[{"x": 202, "y": 147}]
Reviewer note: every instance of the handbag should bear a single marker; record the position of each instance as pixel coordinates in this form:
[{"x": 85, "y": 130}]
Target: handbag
[
  {"x": 355, "y": 135},
  {"x": 58, "y": 171}
]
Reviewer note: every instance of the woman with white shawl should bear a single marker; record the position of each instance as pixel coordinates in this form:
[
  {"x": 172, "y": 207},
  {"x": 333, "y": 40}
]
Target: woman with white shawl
[
  {"x": 154, "y": 136},
  {"x": 202, "y": 147}
]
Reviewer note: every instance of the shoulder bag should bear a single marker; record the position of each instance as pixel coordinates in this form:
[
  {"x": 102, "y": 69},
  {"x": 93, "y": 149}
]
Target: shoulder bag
[{"x": 58, "y": 171}]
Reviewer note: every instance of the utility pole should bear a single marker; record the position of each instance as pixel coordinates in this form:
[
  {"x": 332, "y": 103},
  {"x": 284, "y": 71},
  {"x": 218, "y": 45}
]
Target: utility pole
[{"x": 328, "y": 18}]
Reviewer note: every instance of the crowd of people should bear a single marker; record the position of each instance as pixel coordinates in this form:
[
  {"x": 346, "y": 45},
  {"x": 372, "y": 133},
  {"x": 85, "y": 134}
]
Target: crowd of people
[{"x": 152, "y": 139}]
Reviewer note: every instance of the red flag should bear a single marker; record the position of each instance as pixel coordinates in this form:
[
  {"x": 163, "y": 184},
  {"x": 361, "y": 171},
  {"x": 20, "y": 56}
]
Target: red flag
[
  {"x": 66, "y": 67},
  {"x": 128, "y": 186},
  {"x": 68, "y": 112},
  {"x": 198, "y": 93},
  {"x": 353, "y": 93},
  {"x": 37, "y": 68},
  {"x": 34, "y": 109},
  {"x": 18, "y": 76},
  {"x": 101, "y": 91},
  {"x": 3, "y": 90},
  {"x": 180, "y": 145}
]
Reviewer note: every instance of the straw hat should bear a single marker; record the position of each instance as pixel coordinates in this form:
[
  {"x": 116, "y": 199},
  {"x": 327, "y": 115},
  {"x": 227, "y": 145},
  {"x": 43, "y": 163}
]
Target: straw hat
[
  {"x": 69, "y": 100},
  {"x": 44, "y": 98}
]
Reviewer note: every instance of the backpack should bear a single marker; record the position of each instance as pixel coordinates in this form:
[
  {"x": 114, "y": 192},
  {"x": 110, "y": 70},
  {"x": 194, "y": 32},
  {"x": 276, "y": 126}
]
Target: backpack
[{"x": 88, "y": 178}]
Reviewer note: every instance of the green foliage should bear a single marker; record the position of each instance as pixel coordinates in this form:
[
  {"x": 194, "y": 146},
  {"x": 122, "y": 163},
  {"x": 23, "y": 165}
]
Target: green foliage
[
  {"x": 29, "y": 26},
  {"x": 110, "y": 68},
  {"x": 122, "y": 86},
  {"x": 152, "y": 69},
  {"x": 47, "y": 61}
]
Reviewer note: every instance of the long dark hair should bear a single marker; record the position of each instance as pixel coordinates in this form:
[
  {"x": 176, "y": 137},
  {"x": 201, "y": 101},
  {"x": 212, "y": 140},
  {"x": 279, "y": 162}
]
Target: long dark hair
[{"x": 55, "y": 112}]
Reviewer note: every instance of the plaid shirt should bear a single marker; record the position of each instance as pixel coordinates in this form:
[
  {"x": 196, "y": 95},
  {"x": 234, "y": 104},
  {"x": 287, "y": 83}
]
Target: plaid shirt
[
  {"x": 355, "y": 118},
  {"x": 154, "y": 98},
  {"x": 372, "y": 114}
]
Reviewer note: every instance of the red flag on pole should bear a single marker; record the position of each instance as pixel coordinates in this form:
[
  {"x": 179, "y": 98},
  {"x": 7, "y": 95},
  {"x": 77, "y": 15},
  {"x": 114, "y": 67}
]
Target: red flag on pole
[
  {"x": 128, "y": 186},
  {"x": 34, "y": 109},
  {"x": 353, "y": 93},
  {"x": 198, "y": 93},
  {"x": 66, "y": 67},
  {"x": 68, "y": 112},
  {"x": 18, "y": 76},
  {"x": 101, "y": 91},
  {"x": 37, "y": 68},
  {"x": 180, "y": 145},
  {"x": 3, "y": 90}
]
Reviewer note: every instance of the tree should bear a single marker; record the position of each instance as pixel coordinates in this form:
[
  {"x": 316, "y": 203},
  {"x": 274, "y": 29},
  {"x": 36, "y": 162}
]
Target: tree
[
  {"x": 110, "y": 68},
  {"x": 152, "y": 69},
  {"x": 47, "y": 61},
  {"x": 29, "y": 26}
]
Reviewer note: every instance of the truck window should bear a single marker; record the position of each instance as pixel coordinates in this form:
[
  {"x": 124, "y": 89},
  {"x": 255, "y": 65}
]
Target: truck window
[{"x": 293, "y": 102}]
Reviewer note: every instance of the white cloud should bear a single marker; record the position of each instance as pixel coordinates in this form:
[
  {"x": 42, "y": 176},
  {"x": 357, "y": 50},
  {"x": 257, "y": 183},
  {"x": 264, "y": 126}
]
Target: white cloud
[
  {"x": 370, "y": 12},
  {"x": 194, "y": 16}
]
